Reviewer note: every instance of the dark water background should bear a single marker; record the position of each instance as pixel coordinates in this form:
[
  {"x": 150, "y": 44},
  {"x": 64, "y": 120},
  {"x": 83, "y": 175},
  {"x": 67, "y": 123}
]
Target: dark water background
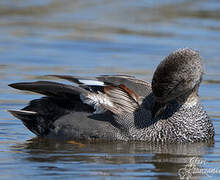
[{"x": 91, "y": 37}]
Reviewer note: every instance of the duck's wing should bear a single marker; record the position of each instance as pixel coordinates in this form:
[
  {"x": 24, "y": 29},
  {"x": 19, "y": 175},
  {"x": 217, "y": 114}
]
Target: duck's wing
[
  {"x": 140, "y": 87},
  {"x": 92, "y": 95},
  {"x": 100, "y": 92},
  {"x": 49, "y": 88}
]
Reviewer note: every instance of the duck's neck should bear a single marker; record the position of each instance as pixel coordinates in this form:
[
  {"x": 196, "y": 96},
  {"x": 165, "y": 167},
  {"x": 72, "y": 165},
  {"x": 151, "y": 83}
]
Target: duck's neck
[{"x": 189, "y": 97}]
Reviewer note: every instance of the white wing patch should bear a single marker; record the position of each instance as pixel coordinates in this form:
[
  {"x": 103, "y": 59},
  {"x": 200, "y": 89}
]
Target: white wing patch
[
  {"x": 98, "y": 101},
  {"x": 91, "y": 82}
]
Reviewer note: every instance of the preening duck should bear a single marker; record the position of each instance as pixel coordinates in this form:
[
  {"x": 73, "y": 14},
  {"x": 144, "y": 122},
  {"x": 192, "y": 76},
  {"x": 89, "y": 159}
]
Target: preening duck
[{"x": 121, "y": 107}]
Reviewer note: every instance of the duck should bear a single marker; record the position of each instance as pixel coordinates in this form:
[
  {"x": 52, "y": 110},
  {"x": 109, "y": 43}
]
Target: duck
[{"x": 122, "y": 107}]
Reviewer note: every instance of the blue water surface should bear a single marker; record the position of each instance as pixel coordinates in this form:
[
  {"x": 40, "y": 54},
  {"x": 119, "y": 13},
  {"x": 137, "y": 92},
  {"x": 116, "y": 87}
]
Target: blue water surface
[{"x": 94, "y": 37}]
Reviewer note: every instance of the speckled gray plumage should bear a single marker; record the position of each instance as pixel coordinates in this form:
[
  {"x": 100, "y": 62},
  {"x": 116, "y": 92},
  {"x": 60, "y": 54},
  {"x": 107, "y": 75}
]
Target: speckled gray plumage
[
  {"x": 170, "y": 112},
  {"x": 177, "y": 123}
]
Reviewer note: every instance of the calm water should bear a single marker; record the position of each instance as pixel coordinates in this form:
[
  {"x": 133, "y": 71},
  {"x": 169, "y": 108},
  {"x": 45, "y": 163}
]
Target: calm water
[{"x": 93, "y": 37}]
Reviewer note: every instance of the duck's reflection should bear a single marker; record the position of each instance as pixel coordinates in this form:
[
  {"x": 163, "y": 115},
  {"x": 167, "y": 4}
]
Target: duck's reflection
[{"x": 161, "y": 161}]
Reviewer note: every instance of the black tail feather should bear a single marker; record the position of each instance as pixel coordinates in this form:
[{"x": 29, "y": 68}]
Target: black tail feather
[
  {"x": 29, "y": 120},
  {"x": 23, "y": 115}
]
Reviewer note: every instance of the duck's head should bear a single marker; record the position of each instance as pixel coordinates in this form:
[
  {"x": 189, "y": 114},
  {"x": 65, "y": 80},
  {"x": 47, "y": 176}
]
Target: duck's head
[{"x": 177, "y": 77}]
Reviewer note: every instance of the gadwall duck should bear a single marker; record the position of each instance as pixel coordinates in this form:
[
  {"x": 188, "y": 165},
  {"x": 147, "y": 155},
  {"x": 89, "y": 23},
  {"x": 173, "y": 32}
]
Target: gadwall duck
[{"x": 121, "y": 107}]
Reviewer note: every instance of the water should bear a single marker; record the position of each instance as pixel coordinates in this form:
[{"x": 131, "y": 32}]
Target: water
[{"x": 102, "y": 37}]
